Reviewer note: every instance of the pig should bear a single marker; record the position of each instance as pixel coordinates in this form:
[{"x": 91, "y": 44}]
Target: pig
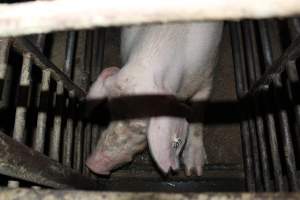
[{"x": 175, "y": 59}]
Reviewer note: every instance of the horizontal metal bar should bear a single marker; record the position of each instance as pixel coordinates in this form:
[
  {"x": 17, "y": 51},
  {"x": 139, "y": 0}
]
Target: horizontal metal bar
[
  {"x": 18, "y": 194},
  {"x": 24, "y": 45},
  {"x": 28, "y": 17},
  {"x": 19, "y": 161},
  {"x": 291, "y": 53}
]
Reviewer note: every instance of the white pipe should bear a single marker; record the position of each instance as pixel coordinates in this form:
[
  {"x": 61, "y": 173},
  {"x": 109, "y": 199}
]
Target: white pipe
[{"x": 46, "y": 16}]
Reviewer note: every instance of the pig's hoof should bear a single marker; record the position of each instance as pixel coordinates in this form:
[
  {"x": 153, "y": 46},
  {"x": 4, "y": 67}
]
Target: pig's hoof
[{"x": 194, "y": 158}]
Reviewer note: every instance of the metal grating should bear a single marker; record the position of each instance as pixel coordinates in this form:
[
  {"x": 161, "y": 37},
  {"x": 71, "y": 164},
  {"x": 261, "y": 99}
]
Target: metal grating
[
  {"x": 51, "y": 140},
  {"x": 266, "y": 62}
]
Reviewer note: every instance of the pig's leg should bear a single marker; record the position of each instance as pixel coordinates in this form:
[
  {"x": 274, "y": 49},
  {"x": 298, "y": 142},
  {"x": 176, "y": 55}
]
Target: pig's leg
[{"x": 194, "y": 155}]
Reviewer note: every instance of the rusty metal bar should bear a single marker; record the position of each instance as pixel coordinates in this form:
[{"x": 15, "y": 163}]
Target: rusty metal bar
[
  {"x": 68, "y": 132},
  {"x": 42, "y": 61},
  {"x": 19, "y": 161},
  {"x": 5, "y": 72},
  {"x": 27, "y": 18},
  {"x": 55, "y": 136},
  {"x": 239, "y": 65}
]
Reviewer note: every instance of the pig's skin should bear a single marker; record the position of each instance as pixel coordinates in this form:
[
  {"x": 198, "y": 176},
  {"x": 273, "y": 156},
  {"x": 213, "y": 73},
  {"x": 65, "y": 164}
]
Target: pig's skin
[{"x": 173, "y": 59}]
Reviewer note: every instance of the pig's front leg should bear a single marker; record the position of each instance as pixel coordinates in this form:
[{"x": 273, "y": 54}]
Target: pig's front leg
[{"x": 194, "y": 155}]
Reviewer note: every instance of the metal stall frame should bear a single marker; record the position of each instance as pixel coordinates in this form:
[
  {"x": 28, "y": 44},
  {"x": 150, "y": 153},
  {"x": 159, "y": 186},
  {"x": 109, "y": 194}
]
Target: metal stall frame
[
  {"x": 261, "y": 97},
  {"x": 60, "y": 169}
]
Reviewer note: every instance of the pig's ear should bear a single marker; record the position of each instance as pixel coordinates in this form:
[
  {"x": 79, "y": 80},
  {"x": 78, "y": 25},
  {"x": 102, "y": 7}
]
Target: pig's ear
[
  {"x": 98, "y": 91},
  {"x": 166, "y": 138}
]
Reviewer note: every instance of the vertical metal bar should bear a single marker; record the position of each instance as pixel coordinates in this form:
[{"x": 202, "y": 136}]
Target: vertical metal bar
[
  {"x": 87, "y": 146},
  {"x": 284, "y": 127},
  {"x": 68, "y": 69},
  {"x": 95, "y": 136},
  {"x": 252, "y": 128},
  {"x": 70, "y": 52},
  {"x": 56, "y": 131},
  {"x": 23, "y": 99},
  {"x": 78, "y": 146},
  {"x": 98, "y": 53},
  {"x": 266, "y": 49},
  {"x": 42, "y": 103},
  {"x": 259, "y": 113},
  {"x": 5, "y": 73},
  {"x": 68, "y": 133},
  {"x": 296, "y": 22},
  {"x": 293, "y": 84},
  {"x": 239, "y": 65}
]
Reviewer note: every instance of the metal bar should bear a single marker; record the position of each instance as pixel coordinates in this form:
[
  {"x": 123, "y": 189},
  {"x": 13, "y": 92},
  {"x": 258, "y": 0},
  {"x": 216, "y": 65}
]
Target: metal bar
[
  {"x": 27, "y": 18},
  {"x": 276, "y": 161},
  {"x": 23, "y": 99},
  {"x": 55, "y": 136},
  {"x": 259, "y": 112},
  {"x": 19, "y": 161},
  {"x": 291, "y": 53},
  {"x": 95, "y": 136},
  {"x": 98, "y": 53},
  {"x": 293, "y": 84},
  {"x": 251, "y": 114},
  {"x": 284, "y": 125},
  {"x": 42, "y": 102},
  {"x": 5, "y": 73},
  {"x": 86, "y": 146},
  {"x": 42, "y": 61},
  {"x": 77, "y": 164},
  {"x": 296, "y": 22},
  {"x": 68, "y": 133},
  {"x": 239, "y": 65},
  {"x": 70, "y": 52}
]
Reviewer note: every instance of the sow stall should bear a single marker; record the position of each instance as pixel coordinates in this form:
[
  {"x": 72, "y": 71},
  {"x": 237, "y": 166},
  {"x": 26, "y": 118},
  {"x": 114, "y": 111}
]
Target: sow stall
[{"x": 47, "y": 68}]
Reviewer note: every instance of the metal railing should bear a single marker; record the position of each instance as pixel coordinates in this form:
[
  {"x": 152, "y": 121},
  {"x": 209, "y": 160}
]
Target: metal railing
[
  {"x": 51, "y": 142},
  {"x": 269, "y": 104}
]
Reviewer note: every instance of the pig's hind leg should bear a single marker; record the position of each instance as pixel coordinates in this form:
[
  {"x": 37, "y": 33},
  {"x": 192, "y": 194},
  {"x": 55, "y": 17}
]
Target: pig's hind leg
[{"x": 194, "y": 155}]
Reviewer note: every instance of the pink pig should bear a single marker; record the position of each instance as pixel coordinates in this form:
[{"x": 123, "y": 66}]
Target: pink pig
[{"x": 168, "y": 59}]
